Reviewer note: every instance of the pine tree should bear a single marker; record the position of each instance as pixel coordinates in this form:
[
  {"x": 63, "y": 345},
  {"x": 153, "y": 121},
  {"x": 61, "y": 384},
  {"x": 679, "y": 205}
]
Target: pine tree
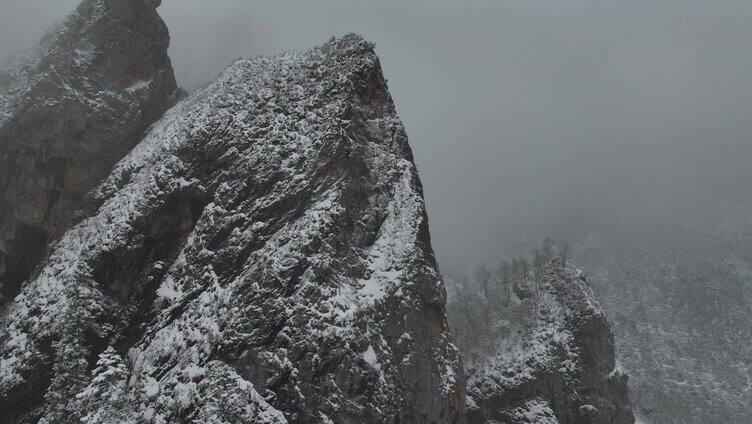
[
  {"x": 69, "y": 372},
  {"x": 104, "y": 400},
  {"x": 70, "y": 366}
]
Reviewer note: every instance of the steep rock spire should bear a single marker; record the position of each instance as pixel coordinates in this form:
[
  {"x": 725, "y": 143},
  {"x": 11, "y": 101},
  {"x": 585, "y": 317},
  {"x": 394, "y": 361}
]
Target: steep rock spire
[
  {"x": 69, "y": 110},
  {"x": 262, "y": 256}
]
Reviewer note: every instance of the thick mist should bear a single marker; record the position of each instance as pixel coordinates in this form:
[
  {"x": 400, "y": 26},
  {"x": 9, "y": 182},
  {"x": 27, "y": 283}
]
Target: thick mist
[{"x": 531, "y": 118}]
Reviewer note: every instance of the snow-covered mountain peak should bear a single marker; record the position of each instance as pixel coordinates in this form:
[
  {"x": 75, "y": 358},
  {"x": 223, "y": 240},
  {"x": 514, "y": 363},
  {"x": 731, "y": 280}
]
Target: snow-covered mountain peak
[{"x": 264, "y": 251}]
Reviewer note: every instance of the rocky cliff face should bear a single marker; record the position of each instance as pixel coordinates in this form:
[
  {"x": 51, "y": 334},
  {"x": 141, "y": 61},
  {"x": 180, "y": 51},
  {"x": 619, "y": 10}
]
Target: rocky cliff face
[
  {"x": 68, "y": 111},
  {"x": 263, "y": 255},
  {"x": 554, "y": 362}
]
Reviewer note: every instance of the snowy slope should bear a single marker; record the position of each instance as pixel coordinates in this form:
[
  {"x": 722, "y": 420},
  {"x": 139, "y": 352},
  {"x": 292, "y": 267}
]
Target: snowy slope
[
  {"x": 262, "y": 255},
  {"x": 681, "y": 304}
]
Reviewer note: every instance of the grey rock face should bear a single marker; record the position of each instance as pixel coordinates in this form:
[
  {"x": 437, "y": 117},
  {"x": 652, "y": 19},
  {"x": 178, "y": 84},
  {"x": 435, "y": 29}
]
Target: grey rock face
[
  {"x": 262, "y": 256},
  {"x": 68, "y": 112},
  {"x": 556, "y": 362}
]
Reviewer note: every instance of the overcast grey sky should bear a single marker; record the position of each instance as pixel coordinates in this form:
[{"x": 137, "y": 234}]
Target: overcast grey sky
[{"x": 525, "y": 116}]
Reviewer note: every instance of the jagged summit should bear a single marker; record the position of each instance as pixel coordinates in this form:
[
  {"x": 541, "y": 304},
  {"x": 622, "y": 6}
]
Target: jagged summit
[
  {"x": 69, "y": 110},
  {"x": 263, "y": 255}
]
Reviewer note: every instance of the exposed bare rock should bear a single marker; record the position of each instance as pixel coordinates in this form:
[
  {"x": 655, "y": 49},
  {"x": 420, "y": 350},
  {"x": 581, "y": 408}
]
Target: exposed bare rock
[{"x": 68, "y": 112}]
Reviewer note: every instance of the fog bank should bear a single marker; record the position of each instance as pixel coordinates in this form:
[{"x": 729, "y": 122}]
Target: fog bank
[{"x": 525, "y": 117}]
